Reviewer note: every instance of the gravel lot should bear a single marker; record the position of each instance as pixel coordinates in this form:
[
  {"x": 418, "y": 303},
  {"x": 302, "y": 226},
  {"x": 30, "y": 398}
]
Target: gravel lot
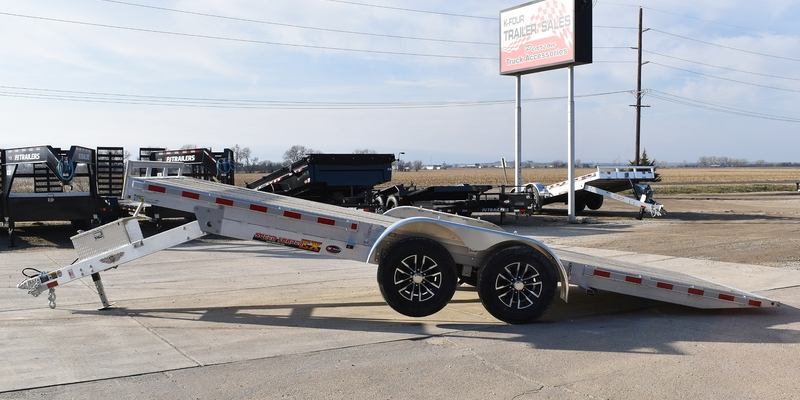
[{"x": 759, "y": 229}]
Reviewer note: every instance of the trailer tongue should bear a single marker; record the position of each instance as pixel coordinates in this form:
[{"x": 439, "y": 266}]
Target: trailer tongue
[{"x": 420, "y": 253}]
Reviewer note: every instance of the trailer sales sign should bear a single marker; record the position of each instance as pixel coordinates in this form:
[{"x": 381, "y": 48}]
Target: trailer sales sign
[{"x": 544, "y": 35}]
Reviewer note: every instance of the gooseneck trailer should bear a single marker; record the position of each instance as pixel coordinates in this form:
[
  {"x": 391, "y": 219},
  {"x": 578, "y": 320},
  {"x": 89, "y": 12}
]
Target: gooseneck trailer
[
  {"x": 45, "y": 183},
  {"x": 419, "y": 253}
]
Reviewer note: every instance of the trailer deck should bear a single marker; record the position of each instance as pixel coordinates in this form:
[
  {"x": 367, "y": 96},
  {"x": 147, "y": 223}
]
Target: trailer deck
[{"x": 419, "y": 252}]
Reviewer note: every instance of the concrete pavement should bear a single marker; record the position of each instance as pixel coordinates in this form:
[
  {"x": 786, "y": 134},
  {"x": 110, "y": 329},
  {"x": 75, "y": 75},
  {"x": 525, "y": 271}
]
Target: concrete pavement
[{"x": 228, "y": 319}]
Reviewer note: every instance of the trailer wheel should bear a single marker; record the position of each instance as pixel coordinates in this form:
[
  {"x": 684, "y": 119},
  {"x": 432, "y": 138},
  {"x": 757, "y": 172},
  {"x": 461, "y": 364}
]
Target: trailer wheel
[
  {"x": 534, "y": 191},
  {"x": 580, "y": 204},
  {"x": 392, "y": 202},
  {"x": 594, "y": 201},
  {"x": 417, "y": 277},
  {"x": 381, "y": 204},
  {"x": 517, "y": 284}
]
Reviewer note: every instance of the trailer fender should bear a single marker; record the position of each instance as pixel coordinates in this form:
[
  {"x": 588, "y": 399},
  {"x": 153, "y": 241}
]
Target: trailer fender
[{"x": 463, "y": 240}]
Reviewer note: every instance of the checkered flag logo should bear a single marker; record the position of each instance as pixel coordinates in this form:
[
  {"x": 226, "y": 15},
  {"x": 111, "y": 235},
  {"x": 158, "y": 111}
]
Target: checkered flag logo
[{"x": 547, "y": 11}]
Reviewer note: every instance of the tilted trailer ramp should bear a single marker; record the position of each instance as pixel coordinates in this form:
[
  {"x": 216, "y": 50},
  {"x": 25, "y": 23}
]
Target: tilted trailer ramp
[{"x": 420, "y": 254}]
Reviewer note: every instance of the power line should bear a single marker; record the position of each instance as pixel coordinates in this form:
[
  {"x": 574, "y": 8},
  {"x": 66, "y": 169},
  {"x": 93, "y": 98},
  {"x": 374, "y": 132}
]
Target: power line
[
  {"x": 725, "y": 47},
  {"x": 717, "y": 107},
  {"x": 413, "y": 10},
  {"x": 727, "y": 79},
  {"x": 725, "y": 68},
  {"x": 117, "y": 98},
  {"x": 295, "y": 26},
  {"x": 715, "y": 22},
  {"x": 247, "y": 40}
]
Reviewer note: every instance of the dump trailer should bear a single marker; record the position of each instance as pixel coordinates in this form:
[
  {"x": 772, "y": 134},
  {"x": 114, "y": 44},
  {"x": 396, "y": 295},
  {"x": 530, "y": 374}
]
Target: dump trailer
[
  {"x": 419, "y": 253},
  {"x": 350, "y": 180},
  {"x": 345, "y": 180},
  {"x": 592, "y": 188},
  {"x": 45, "y": 183}
]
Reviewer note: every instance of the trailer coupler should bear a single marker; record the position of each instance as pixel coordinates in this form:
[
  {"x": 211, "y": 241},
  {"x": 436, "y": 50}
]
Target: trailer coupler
[{"x": 37, "y": 284}]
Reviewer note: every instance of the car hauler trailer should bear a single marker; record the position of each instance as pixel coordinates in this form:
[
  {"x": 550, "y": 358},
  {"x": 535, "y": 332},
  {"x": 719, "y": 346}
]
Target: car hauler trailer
[
  {"x": 44, "y": 183},
  {"x": 590, "y": 189},
  {"x": 419, "y": 253},
  {"x": 345, "y": 180}
]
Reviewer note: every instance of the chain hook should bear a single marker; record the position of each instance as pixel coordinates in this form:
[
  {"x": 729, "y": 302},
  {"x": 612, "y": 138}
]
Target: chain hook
[{"x": 52, "y": 298}]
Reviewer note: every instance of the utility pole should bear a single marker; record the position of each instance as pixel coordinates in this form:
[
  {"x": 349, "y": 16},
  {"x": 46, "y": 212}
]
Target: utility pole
[{"x": 639, "y": 93}]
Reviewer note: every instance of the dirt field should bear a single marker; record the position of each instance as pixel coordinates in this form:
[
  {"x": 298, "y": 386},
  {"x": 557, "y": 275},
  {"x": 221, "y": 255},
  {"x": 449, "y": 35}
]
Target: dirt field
[
  {"x": 750, "y": 228},
  {"x": 669, "y": 176}
]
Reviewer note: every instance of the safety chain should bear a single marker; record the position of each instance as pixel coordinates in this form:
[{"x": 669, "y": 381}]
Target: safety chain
[{"x": 52, "y": 298}]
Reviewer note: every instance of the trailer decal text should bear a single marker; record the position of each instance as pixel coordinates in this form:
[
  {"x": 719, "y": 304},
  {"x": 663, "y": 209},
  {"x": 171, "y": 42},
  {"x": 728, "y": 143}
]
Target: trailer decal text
[{"x": 303, "y": 244}]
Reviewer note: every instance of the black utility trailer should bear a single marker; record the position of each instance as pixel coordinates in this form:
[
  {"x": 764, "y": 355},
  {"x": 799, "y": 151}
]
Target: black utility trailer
[
  {"x": 346, "y": 180},
  {"x": 44, "y": 183},
  {"x": 462, "y": 199}
]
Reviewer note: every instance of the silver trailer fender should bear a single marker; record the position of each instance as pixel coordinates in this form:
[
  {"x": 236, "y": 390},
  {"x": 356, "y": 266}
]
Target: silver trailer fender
[{"x": 469, "y": 245}]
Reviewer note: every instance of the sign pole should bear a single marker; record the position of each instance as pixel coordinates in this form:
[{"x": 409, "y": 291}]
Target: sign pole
[
  {"x": 571, "y": 142},
  {"x": 518, "y": 140}
]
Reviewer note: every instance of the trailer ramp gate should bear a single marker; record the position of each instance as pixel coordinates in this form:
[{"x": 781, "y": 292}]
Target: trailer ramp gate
[
  {"x": 594, "y": 273},
  {"x": 519, "y": 276}
]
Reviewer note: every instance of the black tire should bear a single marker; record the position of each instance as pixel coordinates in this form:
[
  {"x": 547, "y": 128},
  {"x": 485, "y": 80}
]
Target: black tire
[
  {"x": 534, "y": 191},
  {"x": 517, "y": 284},
  {"x": 580, "y": 204},
  {"x": 417, "y": 277},
  {"x": 381, "y": 204},
  {"x": 392, "y": 202},
  {"x": 594, "y": 201}
]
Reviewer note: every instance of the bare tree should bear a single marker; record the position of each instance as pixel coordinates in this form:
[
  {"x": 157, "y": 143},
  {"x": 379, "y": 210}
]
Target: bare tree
[
  {"x": 364, "y": 151},
  {"x": 189, "y": 146},
  {"x": 417, "y": 165},
  {"x": 296, "y": 153},
  {"x": 241, "y": 157}
]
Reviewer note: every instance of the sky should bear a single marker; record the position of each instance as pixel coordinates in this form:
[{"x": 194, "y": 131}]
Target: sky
[{"x": 418, "y": 77}]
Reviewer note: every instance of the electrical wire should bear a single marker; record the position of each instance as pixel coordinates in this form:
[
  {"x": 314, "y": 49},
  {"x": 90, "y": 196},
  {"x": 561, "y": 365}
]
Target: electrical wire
[
  {"x": 714, "y": 22},
  {"x": 115, "y": 98},
  {"x": 717, "y": 107},
  {"x": 717, "y": 66},
  {"x": 727, "y": 79},
  {"x": 296, "y": 26},
  {"x": 247, "y": 40},
  {"x": 413, "y": 10},
  {"x": 725, "y": 47}
]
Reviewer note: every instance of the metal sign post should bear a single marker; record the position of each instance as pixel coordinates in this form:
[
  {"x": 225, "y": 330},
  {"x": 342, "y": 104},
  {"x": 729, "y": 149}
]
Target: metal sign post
[
  {"x": 518, "y": 140},
  {"x": 571, "y": 142}
]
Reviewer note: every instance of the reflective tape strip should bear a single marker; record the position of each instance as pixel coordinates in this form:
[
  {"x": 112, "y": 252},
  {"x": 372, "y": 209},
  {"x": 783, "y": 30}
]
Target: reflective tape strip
[
  {"x": 676, "y": 287},
  {"x": 186, "y": 194}
]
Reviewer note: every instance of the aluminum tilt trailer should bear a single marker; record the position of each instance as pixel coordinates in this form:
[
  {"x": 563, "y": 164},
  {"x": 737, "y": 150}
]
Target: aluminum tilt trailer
[{"x": 419, "y": 253}]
